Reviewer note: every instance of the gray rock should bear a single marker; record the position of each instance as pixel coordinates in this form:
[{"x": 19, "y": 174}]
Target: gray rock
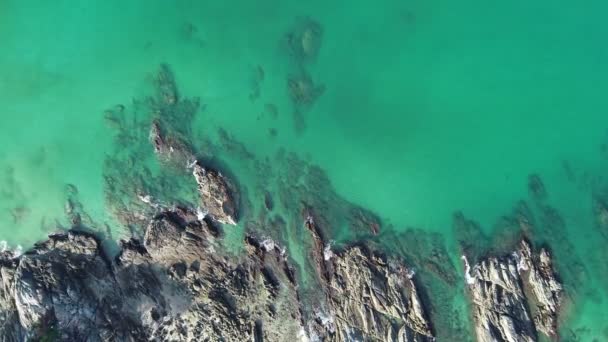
[
  {"x": 174, "y": 286},
  {"x": 514, "y": 296},
  {"x": 170, "y": 148},
  {"x": 218, "y": 196},
  {"x": 372, "y": 299},
  {"x": 177, "y": 285},
  {"x": 367, "y": 297},
  {"x": 66, "y": 283},
  {"x": 542, "y": 286}
]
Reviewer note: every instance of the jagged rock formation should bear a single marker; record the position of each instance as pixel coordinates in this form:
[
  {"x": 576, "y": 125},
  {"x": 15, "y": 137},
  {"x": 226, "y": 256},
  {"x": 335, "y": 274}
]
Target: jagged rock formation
[
  {"x": 170, "y": 148},
  {"x": 514, "y": 296},
  {"x": 367, "y": 297},
  {"x": 176, "y": 285},
  {"x": 372, "y": 299},
  {"x": 218, "y": 196},
  {"x": 173, "y": 286},
  {"x": 544, "y": 289}
]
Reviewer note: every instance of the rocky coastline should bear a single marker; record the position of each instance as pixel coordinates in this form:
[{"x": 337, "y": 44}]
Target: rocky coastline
[
  {"x": 176, "y": 284},
  {"x": 514, "y": 297},
  {"x": 172, "y": 278}
]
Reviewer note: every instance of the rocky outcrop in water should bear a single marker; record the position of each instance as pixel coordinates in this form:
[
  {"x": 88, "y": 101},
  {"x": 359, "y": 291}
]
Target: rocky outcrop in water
[
  {"x": 371, "y": 298},
  {"x": 218, "y": 195},
  {"x": 514, "y": 296},
  {"x": 177, "y": 285},
  {"x": 170, "y": 148},
  {"x": 173, "y": 286},
  {"x": 367, "y": 296}
]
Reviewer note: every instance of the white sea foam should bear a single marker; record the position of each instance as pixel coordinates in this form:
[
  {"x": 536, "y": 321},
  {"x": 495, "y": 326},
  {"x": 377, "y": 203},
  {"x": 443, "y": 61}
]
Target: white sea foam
[
  {"x": 521, "y": 265},
  {"x": 302, "y": 335},
  {"x": 268, "y": 245},
  {"x": 470, "y": 280},
  {"x": 190, "y": 164},
  {"x": 327, "y": 253},
  {"x": 200, "y": 214},
  {"x": 327, "y": 320},
  {"x": 146, "y": 199},
  {"x": 16, "y": 252},
  {"x": 411, "y": 273}
]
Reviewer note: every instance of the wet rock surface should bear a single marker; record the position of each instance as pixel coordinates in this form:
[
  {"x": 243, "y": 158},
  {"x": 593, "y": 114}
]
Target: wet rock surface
[{"x": 514, "y": 297}]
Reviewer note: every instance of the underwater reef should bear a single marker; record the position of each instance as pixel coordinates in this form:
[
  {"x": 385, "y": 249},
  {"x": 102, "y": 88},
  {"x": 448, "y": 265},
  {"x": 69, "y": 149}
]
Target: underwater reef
[
  {"x": 218, "y": 243},
  {"x": 172, "y": 277}
]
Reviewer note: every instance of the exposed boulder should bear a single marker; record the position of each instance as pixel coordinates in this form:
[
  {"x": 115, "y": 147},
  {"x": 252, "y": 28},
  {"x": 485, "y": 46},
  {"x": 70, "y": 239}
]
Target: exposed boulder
[
  {"x": 172, "y": 287},
  {"x": 514, "y": 296},
  {"x": 168, "y": 147},
  {"x": 542, "y": 287},
  {"x": 373, "y": 299},
  {"x": 367, "y": 297},
  {"x": 67, "y": 283},
  {"x": 218, "y": 196}
]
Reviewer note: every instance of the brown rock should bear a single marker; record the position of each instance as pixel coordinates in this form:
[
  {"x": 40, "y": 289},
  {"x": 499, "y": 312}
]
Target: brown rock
[
  {"x": 218, "y": 196},
  {"x": 514, "y": 296}
]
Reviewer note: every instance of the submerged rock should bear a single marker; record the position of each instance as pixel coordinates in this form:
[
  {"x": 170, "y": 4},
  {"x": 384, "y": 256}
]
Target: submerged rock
[
  {"x": 218, "y": 195},
  {"x": 601, "y": 214},
  {"x": 166, "y": 87},
  {"x": 514, "y": 296},
  {"x": 536, "y": 187},
  {"x": 304, "y": 40},
  {"x": 423, "y": 249},
  {"x": 303, "y": 91},
  {"x": 170, "y": 148},
  {"x": 364, "y": 220}
]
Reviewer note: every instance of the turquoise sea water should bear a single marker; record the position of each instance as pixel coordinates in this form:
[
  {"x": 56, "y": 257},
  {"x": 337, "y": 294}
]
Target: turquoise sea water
[{"x": 426, "y": 108}]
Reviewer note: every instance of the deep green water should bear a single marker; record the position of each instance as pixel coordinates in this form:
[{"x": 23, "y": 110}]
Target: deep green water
[{"x": 429, "y": 107}]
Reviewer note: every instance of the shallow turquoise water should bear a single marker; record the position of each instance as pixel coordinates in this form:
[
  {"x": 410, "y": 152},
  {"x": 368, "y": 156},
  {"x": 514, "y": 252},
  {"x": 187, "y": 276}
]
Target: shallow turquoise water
[{"x": 428, "y": 107}]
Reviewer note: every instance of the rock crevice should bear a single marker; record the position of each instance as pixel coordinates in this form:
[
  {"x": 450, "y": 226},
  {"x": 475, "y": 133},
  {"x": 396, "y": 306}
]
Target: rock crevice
[{"x": 515, "y": 296}]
